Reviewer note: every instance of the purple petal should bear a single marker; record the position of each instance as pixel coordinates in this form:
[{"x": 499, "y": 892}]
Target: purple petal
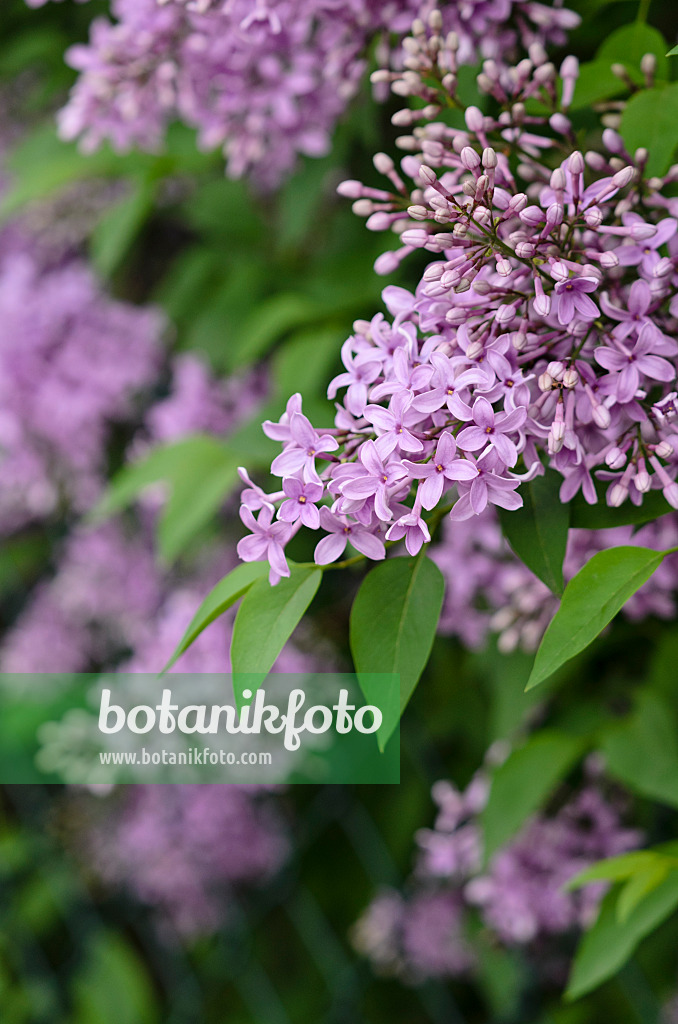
[{"x": 330, "y": 548}]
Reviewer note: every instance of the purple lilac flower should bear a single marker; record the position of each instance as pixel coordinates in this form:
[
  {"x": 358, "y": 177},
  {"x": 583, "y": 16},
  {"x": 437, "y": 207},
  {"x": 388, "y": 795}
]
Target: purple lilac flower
[
  {"x": 520, "y": 895},
  {"x": 183, "y": 849},
  {"x": 71, "y": 362},
  {"x": 539, "y": 345}
]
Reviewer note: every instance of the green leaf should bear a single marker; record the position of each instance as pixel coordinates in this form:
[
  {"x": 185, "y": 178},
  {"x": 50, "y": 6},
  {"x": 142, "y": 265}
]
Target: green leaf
[
  {"x": 269, "y": 323},
  {"x": 524, "y": 782},
  {"x": 591, "y": 600},
  {"x": 642, "y": 751},
  {"x": 596, "y": 82},
  {"x": 227, "y": 591},
  {"x": 602, "y": 516},
  {"x": 650, "y": 119},
  {"x": 199, "y": 472},
  {"x": 612, "y": 869},
  {"x": 629, "y": 44},
  {"x": 265, "y": 621},
  {"x": 117, "y": 230},
  {"x": 392, "y": 629},
  {"x": 537, "y": 532},
  {"x": 673, "y": 52},
  {"x": 607, "y": 946},
  {"x": 113, "y": 975},
  {"x": 640, "y": 885}
]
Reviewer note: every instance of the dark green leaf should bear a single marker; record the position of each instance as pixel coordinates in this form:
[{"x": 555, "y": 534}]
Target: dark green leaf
[
  {"x": 591, "y": 600},
  {"x": 642, "y": 751},
  {"x": 537, "y": 532},
  {"x": 227, "y": 591},
  {"x": 265, "y": 621},
  {"x": 524, "y": 782},
  {"x": 640, "y": 885},
  {"x": 117, "y": 230},
  {"x": 199, "y": 472},
  {"x": 650, "y": 119},
  {"x": 672, "y": 52},
  {"x": 392, "y": 628},
  {"x": 629, "y": 44},
  {"x": 607, "y": 946},
  {"x": 602, "y": 516}
]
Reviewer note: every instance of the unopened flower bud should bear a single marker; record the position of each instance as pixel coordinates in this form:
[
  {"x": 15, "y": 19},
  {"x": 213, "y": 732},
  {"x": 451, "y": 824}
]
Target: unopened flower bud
[
  {"x": 575, "y": 164},
  {"x": 671, "y": 494},
  {"x": 525, "y": 250},
  {"x": 664, "y": 450},
  {"x": 545, "y": 382},
  {"x": 615, "y": 458},
  {"x": 556, "y": 369},
  {"x": 474, "y": 119},
  {"x": 469, "y": 158},
  {"x": 570, "y": 378},
  {"x": 617, "y": 495},
  {"x": 489, "y": 158},
  {"x": 418, "y": 212},
  {"x": 623, "y": 178},
  {"x": 601, "y": 416}
]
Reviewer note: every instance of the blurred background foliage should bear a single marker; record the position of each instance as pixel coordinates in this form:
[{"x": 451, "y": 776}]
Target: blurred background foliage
[{"x": 243, "y": 278}]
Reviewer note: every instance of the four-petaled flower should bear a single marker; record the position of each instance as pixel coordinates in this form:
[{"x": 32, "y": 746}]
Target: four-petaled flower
[
  {"x": 492, "y": 428},
  {"x": 442, "y": 470}
]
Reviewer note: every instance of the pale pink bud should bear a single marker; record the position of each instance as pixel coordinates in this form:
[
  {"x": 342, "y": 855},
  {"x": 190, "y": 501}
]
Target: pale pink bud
[
  {"x": 617, "y": 495},
  {"x": 545, "y": 382},
  {"x": 664, "y": 450},
  {"x": 570, "y": 378},
  {"x": 418, "y": 212},
  {"x": 525, "y": 250},
  {"x": 469, "y": 158},
  {"x": 575, "y": 164},
  {"x": 615, "y": 458},
  {"x": 594, "y": 217},
  {"x": 622, "y": 178},
  {"x": 556, "y": 369},
  {"x": 671, "y": 494},
  {"x": 489, "y": 158},
  {"x": 474, "y": 119},
  {"x": 601, "y": 416}
]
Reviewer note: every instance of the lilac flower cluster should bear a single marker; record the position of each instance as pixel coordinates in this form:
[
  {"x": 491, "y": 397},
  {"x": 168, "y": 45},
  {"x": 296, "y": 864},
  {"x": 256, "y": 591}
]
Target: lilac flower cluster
[
  {"x": 520, "y": 894},
  {"x": 184, "y": 849},
  {"x": 266, "y": 80},
  {"x": 71, "y": 362},
  {"x": 487, "y": 589},
  {"x": 544, "y": 330}
]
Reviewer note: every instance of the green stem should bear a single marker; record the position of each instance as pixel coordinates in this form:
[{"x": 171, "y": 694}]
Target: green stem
[{"x": 643, "y": 11}]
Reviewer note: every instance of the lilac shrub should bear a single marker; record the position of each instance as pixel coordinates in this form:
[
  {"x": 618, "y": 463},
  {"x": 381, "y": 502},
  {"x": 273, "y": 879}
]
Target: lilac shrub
[
  {"x": 544, "y": 330},
  {"x": 519, "y": 895}
]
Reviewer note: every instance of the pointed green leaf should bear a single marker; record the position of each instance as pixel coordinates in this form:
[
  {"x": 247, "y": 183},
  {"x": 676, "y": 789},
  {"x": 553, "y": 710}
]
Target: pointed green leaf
[
  {"x": 612, "y": 869},
  {"x": 524, "y": 782},
  {"x": 640, "y": 885},
  {"x": 607, "y": 946},
  {"x": 649, "y": 120},
  {"x": 199, "y": 472},
  {"x": 227, "y": 591},
  {"x": 602, "y": 516},
  {"x": 672, "y": 52},
  {"x": 591, "y": 600},
  {"x": 392, "y": 629},
  {"x": 537, "y": 532},
  {"x": 265, "y": 621},
  {"x": 642, "y": 750}
]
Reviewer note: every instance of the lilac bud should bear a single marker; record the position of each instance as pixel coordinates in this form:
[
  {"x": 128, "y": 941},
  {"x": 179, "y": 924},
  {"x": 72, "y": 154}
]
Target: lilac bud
[
  {"x": 474, "y": 119},
  {"x": 532, "y": 216},
  {"x": 383, "y": 163},
  {"x": 427, "y": 175},
  {"x": 615, "y": 458},
  {"x": 639, "y": 232},
  {"x": 570, "y": 378},
  {"x": 504, "y": 267},
  {"x": 601, "y": 416},
  {"x": 663, "y": 268},
  {"x": 416, "y": 237},
  {"x": 525, "y": 250},
  {"x": 386, "y": 263},
  {"x": 489, "y": 158},
  {"x": 664, "y": 450},
  {"x": 542, "y": 307},
  {"x": 570, "y": 67},
  {"x": 617, "y": 495},
  {"x": 379, "y": 221},
  {"x": 558, "y": 180},
  {"x": 363, "y": 207},
  {"x": 517, "y": 203},
  {"x": 545, "y": 382},
  {"x": 560, "y": 123},
  {"x": 640, "y": 156},
  {"x": 642, "y": 480},
  {"x": 556, "y": 370},
  {"x": 350, "y": 189},
  {"x": 648, "y": 65},
  {"x": 609, "y": 260},
  {"x": 613, "y": 141},
  {"x": 622, "y": 178},
  {"x": 575, "y": 164},
  {"x": 594, "y": 217},
  {"x": 418, "y": 212},
  {"x": 469, "y": 158}
]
